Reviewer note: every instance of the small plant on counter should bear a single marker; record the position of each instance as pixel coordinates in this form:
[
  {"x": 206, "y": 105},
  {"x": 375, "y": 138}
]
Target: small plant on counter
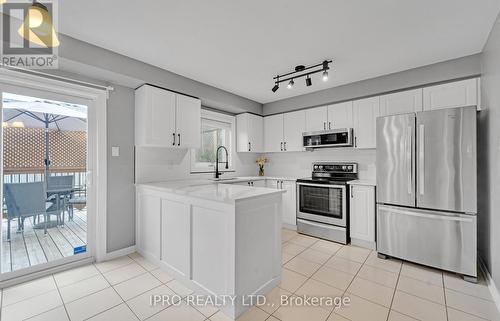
[{"x": 261, "y": 161}]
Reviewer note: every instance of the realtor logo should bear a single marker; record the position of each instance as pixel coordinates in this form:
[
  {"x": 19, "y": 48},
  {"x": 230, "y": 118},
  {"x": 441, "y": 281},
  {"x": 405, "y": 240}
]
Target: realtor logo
[{"x": 28, "y": 36}]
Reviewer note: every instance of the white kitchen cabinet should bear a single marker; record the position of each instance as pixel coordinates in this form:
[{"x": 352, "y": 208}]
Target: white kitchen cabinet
[
  {"x": 283, "y": 132},
  {"x": 166, "y": 119},
  {"x": 253, "y": 183},
  {"x": 316, "y": 119},
  {"x": 148, "y": 225},
  {"x": 408, "y": 101},
  {"x": 362, "y": 215},
  {"x": 188, "y": 122},
  {"x": 289, "y": 200},
  {"x": 340, "y": 115},
  {"x": 294, "y": 125},
  {"x": 273, "y": 133},
  {"x": 175, "y": 235},
  {"x": 365, "y": 113},
  {"x": 453, "y": 94},
  {"x": 249, "y": 133}
]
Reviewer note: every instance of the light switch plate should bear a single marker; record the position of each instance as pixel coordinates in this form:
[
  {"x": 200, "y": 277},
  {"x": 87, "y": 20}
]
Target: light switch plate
[{"x": 115, "y": 151}]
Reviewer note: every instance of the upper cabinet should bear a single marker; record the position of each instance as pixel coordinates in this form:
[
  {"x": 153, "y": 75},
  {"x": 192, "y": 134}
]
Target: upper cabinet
[
  {"x": 166, "y": 119},
  {"x": 454, "y": 94},
  {"x": 365, "y": 113},
  {"x": 283, "y": 132},
  {"x": 329, "y": 117},
  {"x": 250, "y": 133},
  {"x": 403, "y": 102},
  {"x": 340, "y": 115},
  {"x": 316, "y": 119},
  {"x": 273, "y": 133},
  {"x": 294, "y": 125}
]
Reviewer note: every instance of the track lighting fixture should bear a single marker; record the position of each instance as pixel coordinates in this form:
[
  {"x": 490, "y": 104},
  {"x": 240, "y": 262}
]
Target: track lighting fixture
[{"x": 302, "y": 71}]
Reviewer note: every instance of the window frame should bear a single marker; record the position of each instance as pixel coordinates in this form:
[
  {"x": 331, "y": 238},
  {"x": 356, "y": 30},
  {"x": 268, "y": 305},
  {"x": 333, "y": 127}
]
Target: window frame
[{"x": 223, "y": 118}]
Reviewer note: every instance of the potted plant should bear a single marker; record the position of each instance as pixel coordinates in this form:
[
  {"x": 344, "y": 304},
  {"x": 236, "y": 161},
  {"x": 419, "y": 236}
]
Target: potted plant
[{"x": 261, "y": 161}]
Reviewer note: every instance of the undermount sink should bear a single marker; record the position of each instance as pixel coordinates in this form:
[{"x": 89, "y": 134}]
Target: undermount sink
[{"x": 224, "y": 179}]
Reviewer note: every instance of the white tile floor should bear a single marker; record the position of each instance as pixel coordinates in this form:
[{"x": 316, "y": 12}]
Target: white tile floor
[{"x": 387, "y": 290}]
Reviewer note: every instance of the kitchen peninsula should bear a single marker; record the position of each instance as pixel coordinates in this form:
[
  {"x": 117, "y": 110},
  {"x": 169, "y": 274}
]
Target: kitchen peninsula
[{"x": 221, "y": 239}]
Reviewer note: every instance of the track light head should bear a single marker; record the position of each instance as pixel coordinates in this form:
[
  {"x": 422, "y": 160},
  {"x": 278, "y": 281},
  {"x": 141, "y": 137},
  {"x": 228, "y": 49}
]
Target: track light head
[
  {"x": 308, "y": 81},
  {"x": 275, "y": 88},
  {"x": 325, "y": 75},
  {"x": 290, "y": 84}
]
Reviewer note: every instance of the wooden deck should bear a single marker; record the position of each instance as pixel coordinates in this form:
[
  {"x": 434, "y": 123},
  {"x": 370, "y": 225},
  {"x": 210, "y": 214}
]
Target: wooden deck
[{"x": 33, "y": 247}]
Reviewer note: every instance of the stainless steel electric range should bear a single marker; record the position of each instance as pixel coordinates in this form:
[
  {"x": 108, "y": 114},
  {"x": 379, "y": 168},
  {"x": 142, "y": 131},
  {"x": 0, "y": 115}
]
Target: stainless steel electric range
[{"x": 322, "y": 201}]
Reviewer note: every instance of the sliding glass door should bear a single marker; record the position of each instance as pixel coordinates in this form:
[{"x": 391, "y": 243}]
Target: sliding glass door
[{"x": 46, "y": 215}]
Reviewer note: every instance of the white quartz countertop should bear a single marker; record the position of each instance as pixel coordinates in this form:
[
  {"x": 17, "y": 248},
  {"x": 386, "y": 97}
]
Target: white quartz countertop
[
  {"x": 211, "y": 190},
  {"x": 368, "y": 182}
]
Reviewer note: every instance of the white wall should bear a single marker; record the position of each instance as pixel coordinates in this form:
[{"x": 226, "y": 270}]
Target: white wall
[
  {"x": 298, "y": 164},
  {"x": 489, "y": 156},
  {"x": 160, "y": 164}
]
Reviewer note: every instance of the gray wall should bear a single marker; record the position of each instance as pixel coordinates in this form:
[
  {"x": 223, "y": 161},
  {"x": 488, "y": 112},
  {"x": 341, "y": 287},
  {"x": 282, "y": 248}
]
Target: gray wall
[
  {"x": 121, "y": 191},
  {"x": 489, "y": 156},
  {"x": 464, "y": 67}
]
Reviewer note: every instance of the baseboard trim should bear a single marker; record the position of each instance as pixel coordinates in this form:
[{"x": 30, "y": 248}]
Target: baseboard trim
[
  {"x": 363, "y": 243},
  {"x": 289, "y": 226},
  {"x": 118, "y": 253},
  {"x": 495, "y": 294}
]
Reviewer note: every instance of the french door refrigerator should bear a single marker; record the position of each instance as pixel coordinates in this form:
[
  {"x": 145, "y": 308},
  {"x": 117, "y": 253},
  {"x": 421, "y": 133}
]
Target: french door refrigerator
[{"x": 426, "y": 188}]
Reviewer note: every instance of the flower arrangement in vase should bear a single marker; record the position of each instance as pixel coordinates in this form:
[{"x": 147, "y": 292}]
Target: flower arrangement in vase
[{"x": 261, "y": 161}]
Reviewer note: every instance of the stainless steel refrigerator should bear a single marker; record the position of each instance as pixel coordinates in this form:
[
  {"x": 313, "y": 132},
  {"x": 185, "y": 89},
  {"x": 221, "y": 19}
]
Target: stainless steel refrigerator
[{"x": 426, "y": 188}]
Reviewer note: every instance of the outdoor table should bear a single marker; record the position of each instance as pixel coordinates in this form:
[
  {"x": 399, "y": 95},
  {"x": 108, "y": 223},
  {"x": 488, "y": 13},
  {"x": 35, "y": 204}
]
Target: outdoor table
[{"x": 58, "y": 192}]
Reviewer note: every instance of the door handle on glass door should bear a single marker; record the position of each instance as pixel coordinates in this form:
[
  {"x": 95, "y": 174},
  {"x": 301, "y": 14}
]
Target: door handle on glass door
[
  {"x": 173, "y": 135},
  {"x": 179, "y": 143},
  {"x": 421, "y": 158}
]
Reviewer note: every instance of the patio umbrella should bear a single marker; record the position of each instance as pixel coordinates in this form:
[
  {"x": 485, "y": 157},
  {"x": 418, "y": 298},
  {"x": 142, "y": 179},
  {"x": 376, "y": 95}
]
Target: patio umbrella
[{"x": 40, "y": 113}]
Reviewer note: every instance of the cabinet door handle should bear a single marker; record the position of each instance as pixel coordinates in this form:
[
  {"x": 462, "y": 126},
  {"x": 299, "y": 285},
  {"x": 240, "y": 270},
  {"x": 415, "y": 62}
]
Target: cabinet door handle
[
  {"x": 179, "y": 143},
  {"x": 251, "y": 183},
  {"x": 281, "y": 146},
  {"x": 281, "y": 184},
  {"x": 324, "y": 125},
  {"x": 173, "y": 135},
  {"x": 329, "y": 125},
  {"x": 284, "y": 144},
  {"x": 352, "y": 193},
  {"x": 277, "y": 184},
  {"x": 355, "y": 141},
  {"x": 249, "y": 147}
]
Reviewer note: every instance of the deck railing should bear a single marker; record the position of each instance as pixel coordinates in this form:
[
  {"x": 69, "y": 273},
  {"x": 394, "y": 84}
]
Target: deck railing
[{"x": 79, "y": 181}]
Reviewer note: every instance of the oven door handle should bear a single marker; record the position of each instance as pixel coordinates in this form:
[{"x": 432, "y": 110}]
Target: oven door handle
[{"x": 322, "y": 185}]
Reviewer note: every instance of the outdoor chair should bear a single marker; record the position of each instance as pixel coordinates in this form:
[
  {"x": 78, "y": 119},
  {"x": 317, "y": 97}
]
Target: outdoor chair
[
  {"x": 79, "y": 197},
  {"x": 62, "y": 186},
  {"x": 24, "y": 200}
]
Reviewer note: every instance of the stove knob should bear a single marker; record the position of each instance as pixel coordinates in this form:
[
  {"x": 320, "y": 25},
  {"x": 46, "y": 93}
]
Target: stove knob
[
  {"x": 344, "y": 167},
  {"x": 320, "y": 167},
  {"x": 349, "y": 167}
]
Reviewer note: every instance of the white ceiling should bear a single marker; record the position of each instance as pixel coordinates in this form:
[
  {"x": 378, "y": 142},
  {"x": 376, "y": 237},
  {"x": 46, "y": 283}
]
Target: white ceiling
[{"x": 239, "y": 45}]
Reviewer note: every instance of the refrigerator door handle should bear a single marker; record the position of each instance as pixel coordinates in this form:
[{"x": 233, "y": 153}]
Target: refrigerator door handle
[
  {"x": 409, "y": 144},
  {"x": 421, "y": 158},
  {"x": 456, "y": 217}
]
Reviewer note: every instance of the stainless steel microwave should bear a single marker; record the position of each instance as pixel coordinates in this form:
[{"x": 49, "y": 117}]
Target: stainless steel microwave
[{"x": 341, "y": 137}]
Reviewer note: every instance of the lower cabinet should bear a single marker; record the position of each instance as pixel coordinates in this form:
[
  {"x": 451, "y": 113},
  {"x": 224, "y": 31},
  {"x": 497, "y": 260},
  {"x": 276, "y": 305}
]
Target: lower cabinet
[
  {"x": 289, "y": 200},
  {"x": 175, "y": 235},
  {"x": 362, "y": 215},
  {"x": 148, "y": 225}
]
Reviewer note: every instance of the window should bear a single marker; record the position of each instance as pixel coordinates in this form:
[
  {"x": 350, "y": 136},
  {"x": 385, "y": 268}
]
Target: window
[{"x": 217, "y": 129}]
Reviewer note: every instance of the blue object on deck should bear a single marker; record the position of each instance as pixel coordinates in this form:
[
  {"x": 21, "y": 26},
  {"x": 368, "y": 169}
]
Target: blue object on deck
[{"x": 80, "y": 249}]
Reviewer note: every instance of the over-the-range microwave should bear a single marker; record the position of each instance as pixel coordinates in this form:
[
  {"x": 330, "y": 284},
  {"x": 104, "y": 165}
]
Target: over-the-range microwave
[{"x": 341, "y": 137}]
